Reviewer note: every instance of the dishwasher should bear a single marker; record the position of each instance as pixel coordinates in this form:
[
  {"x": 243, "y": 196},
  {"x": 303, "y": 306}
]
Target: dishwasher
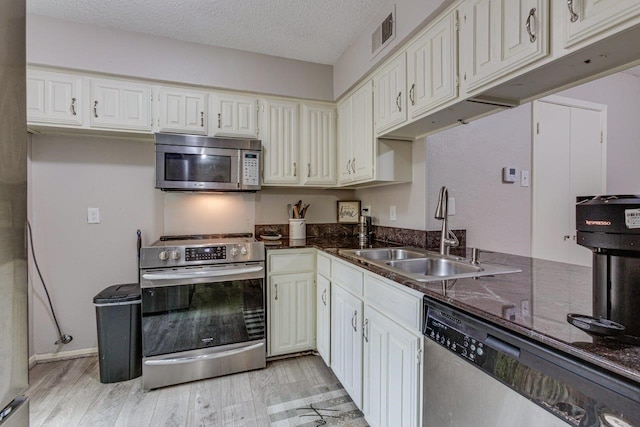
[{"x": 478, "y": 374}]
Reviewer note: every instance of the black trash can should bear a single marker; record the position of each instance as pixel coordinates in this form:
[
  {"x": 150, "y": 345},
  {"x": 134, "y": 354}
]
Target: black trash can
[{"x": 118, "y": 317}]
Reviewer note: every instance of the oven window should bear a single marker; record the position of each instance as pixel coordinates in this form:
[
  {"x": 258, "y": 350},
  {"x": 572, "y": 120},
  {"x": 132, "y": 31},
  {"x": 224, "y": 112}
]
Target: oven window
[
  {"x": 197, "y": 167},
  {"x": 189, "y": 317}
]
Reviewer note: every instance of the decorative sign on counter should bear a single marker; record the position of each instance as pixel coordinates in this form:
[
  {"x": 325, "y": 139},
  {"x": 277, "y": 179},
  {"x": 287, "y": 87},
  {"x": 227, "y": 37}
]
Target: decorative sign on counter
[{"x": 348, "y": 211}]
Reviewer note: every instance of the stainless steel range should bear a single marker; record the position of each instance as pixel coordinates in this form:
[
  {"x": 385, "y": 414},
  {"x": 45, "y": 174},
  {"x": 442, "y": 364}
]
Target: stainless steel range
[{"x": 202, "y": 308}]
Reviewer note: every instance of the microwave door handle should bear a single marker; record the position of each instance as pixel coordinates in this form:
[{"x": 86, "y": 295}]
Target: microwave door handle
[{"x": 200, "y": 274}]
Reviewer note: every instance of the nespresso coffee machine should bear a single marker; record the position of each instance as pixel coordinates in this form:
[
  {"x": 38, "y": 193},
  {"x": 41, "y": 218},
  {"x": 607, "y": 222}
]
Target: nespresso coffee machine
[{"x": 610, "y": 227}]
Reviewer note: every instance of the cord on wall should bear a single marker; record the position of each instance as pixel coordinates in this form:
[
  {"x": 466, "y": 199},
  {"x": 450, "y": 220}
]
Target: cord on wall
[{"x": 62, "y": 338}]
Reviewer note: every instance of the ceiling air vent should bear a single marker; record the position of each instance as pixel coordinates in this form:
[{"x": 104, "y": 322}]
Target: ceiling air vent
[{"x": 384, "y": 33}]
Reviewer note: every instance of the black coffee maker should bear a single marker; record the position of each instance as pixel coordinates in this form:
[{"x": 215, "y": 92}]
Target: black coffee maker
[{"x": 610, "y": 227}]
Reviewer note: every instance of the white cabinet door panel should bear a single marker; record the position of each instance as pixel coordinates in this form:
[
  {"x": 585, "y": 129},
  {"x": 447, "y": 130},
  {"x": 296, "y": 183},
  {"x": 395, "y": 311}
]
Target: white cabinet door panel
[
  {"x": 501, "y": 36},
  {"x": 234, "y": 115},
  {"x": 390, "y": 98},
  {"x": 120, "y": 105},
  {"x": 346, "y": 341},
  {"x": 391, "y": 372},
  {"x": 432, "y": 69},
  {"x": 592, "y": 17},
  {"x": 280, "y": 142},
  {"x": 323, "y": 318},
  {"x": 182, "y": 111},
  {"x": 54, "y": 98},
  {"x": 293, "y": 313},
  {"x": 318, "y": 144}
]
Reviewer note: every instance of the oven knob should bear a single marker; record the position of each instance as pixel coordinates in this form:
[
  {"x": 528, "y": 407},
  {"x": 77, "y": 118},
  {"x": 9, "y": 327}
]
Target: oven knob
[
  {"x": 243, "y": 251},
  {"x": 175, "y": 255},
  {"x": 234, "y": 251},
  {"x": 164, "y": 255}
]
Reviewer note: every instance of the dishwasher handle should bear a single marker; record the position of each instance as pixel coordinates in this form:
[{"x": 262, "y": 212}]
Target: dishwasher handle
[{"x": 503, "y": 347}]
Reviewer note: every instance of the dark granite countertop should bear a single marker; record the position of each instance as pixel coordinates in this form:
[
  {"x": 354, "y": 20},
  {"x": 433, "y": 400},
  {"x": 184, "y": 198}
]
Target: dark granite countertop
[{"x": 533, "y": 303}]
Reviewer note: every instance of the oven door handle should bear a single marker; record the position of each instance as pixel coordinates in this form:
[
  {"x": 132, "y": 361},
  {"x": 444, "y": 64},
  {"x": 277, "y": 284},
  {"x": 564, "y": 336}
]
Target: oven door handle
[
  {"x": 201, "y": 274},
  {"x": 190, "y": 359}
]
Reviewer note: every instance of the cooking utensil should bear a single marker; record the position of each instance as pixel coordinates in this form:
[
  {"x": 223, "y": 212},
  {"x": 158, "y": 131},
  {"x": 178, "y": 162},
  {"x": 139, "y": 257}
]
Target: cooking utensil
[
  {"x": 290, "y": 210},
  {"x": 304, "y": 211}
]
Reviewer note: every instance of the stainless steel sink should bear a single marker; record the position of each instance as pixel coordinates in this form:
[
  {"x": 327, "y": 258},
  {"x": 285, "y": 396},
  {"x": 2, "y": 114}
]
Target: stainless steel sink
[
  {"x": 439, "y": 267},
  {"x": 384, "y": 254},
  {"x": 425, "y": 266}
]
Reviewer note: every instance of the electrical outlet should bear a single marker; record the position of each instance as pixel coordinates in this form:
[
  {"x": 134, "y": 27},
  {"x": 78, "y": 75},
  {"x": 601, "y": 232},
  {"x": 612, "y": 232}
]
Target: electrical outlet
[
  {"x": 366, "y": 210},
  {"x": 392, "y": 213},
  {"x": 524, "y": 178},
  {"x": 93, "y": 215}
]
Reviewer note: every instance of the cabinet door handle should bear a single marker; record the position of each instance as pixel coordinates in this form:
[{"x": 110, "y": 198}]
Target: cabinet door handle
[
  {"x": 73, "y": 106},
  {"x": 202, "y": 119},
  {"x": 324, "y": 297},
  {"x": 365, "y": 330},
  {"x": 349, "y": 166},
  {"x": 398, "y": 101},
  {"x": 276, "y": 286},
  {"x": 353, "y": 165},
  {"x": 219, "y": 120},
  {"x": 308, "y": 170},
  {"x": 532, "y": 13},
  {"x": 354, "y": 320},
  {"x": 566, "y": 237},
  {"x": 574, "y": 15},
  {"x": 295, "y": 169},
  {"x": 411, "y": 92},
  {"x": 95, "y": 109}
]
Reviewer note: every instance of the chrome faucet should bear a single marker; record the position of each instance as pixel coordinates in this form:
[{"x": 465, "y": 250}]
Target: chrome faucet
[{"x": 447, "y": 238}]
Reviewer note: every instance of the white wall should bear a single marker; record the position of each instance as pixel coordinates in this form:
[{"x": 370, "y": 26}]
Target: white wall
[
  {"x": 67, "y": 175},
  {"x": 409, "y": 199},
  {"x": 68, "y": 44},
  {"x": 271, "y": 204},
  {"x": 468, "y": 159},
  {"x": 356, "y": 61}
]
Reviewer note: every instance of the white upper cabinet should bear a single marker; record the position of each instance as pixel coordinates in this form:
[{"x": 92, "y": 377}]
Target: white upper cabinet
[
  {"x": 182, "y": 111},
  {"x": 499, "y": 37},
  {"x": 54, "y": 98},
  {"x": 122, "y": 105},
  {"x": 280, "y": 142},
  {"x": 584, "y": 19},
  {"x": 355, "y": 136},
  {"x": 390, "y": 98},
  {"x": 233, "y": 115},
  {"x": 318, "y": 144},
  {"x": 432, "y": 67}
]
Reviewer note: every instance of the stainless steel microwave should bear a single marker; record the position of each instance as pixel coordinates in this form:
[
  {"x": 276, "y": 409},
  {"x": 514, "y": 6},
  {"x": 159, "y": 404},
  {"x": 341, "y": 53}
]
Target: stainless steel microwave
[{"x": 200, "y": 163}]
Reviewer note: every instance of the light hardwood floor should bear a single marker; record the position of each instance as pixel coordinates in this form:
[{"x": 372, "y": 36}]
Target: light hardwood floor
[{"x": 69, "y": 393}]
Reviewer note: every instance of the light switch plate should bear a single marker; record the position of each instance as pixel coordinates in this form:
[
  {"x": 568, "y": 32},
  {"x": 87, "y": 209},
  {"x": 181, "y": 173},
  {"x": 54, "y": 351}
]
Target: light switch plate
[
  {"x": 392, "y": 213},
  {"x": 524, "y": 178},
  {"x": 93, "y": 215}
]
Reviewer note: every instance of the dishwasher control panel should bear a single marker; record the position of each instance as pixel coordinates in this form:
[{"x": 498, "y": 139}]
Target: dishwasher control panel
[{"x": 448, "y": 333}]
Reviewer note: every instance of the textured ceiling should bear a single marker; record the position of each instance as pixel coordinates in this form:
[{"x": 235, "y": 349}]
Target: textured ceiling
[{"x": 308, "y": 30}]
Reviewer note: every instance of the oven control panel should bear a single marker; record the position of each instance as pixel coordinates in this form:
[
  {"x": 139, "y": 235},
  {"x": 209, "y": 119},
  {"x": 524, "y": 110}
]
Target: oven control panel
[{"x": 205, "y": 253}]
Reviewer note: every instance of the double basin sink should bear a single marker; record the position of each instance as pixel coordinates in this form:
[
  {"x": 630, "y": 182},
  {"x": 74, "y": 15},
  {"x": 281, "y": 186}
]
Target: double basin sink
[{"x": 425, "y": 266}]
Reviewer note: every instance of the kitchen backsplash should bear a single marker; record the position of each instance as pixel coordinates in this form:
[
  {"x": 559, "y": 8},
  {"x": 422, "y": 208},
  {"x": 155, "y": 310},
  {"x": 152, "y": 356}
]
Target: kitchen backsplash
[{"x": 429, "y": 239}]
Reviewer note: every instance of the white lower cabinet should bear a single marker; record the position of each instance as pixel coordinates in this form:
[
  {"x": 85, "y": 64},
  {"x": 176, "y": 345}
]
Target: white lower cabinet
[
  {"x": 292, "y": 307},
  {"x": 323, "y": 318},
  {"x": 346, "y": 341},
  {"x": 291, "y": 296},
  {"x": 391, "y": 376}
]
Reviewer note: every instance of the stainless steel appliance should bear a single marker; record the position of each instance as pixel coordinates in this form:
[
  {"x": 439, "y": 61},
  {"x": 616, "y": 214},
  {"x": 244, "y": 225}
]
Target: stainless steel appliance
[
  {"x": 203, "y": 308},
  {"x": 200, "y": 163},
  {"x": 477, "y": 374},
  {"x": 365, "y": 231},
  {"x": 610, "y": 227},
  {"x": 14, "y": 410}
]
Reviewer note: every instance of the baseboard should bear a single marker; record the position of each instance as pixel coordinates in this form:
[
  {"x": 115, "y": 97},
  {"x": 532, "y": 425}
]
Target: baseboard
[{"x": 61, "y": 355}]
